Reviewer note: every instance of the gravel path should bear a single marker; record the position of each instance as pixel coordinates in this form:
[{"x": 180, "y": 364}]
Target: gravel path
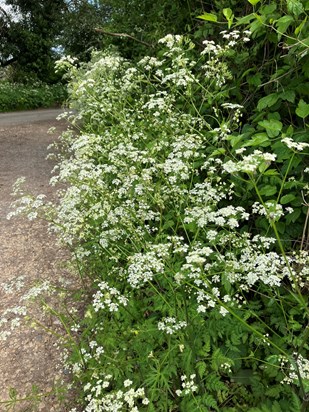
[{"x": 28, "y": 356}]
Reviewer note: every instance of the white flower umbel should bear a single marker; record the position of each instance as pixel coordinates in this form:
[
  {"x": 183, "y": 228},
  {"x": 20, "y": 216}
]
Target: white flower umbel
[
  {"x": 291, "y": 144},
  {"x": 108, "y": 298},
  {"x": 170, "y": 325}
]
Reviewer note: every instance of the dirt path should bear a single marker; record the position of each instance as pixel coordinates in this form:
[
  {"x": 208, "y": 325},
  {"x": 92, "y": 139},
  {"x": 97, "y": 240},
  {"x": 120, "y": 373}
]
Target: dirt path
[{"x": 27, "y": 357}]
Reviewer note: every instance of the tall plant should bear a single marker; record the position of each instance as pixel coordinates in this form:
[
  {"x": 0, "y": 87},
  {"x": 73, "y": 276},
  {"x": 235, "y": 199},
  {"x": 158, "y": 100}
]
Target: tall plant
[{"x": 191, "y": 309}]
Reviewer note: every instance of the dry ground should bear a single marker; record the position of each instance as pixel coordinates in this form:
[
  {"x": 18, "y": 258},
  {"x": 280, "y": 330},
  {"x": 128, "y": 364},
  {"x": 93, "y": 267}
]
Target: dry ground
[{"x": 29, "y": 356}]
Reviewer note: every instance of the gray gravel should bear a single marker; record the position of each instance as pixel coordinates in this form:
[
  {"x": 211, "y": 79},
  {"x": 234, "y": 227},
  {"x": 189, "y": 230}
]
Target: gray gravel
[{"x": 29, "y": 116}]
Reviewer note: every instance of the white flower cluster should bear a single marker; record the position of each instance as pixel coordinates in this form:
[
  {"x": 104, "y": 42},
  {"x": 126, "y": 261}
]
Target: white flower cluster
[
  {"x": 215, "y": 68},
  {"x": 37, "y": 290},
  {"x": 122, "y": 400},
  {"x": 298, "y": 370},
  {"x": 108, "y": 298},
  {"x": 272, "y": 210},
  {"x": 170, "y": 325},
  {"x": 15, "y": 285},
  {"x": 250, "y": 163},
  {"x": 188, "y": 385},
  {"x": 27, "y": 205},
  {"x": 291, "y": 144},
  {"x": 143, "y": 267}
]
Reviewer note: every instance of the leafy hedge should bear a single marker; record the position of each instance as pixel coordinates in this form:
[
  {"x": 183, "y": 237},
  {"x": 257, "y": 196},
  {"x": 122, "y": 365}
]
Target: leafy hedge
[{"x": 18, "y": 96}]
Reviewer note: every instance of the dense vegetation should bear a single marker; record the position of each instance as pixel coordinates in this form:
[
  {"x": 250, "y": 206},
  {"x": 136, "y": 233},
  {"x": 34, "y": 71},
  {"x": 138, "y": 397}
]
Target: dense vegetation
[
  {"x": 19, "y": 96},
  {"x": 186, "y": 210}
]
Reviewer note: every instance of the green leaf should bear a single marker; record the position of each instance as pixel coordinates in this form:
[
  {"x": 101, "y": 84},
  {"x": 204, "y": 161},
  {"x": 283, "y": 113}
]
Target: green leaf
[
  {"x": 302, "y": 109},
  {"x": 288, "y": 95},
  {"x": 253, "y": 2},
  {"x": 208, "y": 17},
  {"x": 295, "y": 7},
  {"x": 209, "y": 400},
  {"x": 300, "y": 27},
  {"x": 273, "y": 127},
  {"x": 293, "y": 217},
  {"x": 255, "y": 80},
  {"x": 287, "y": 198},
  {"x": 268, "y": 9},
  {"x": 267, "y": 101},
  {"x": 257, "y": 140},
  {"x": 246, "y": 19},
  {"x": 201, "y": 368},
  {"x": 268, "y": 190},
  {"x": 283, "y": 23},
  {"x": 217, "y": 152},
  {"x": 228, "y": 14},
  {"x": 271, "y": 172}
]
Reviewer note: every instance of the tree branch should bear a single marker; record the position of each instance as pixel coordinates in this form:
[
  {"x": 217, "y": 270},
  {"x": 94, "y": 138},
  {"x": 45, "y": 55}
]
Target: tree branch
[{"x": 128, "y": 36}]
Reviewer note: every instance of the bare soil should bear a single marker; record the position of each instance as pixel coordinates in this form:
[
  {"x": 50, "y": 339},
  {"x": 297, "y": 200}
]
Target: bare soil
[{"x": 29, "y": 358}]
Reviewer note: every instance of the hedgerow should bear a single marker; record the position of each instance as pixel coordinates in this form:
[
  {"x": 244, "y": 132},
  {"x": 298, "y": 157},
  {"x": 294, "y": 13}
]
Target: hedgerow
[
  {"x": 176, "y": 209},
  {"x": 18, "y": 96}
]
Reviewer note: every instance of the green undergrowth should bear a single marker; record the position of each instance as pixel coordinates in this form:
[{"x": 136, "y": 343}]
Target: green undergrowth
[
  {"x": 186, "y": 210},
  {"x": 19, "y": 96}
]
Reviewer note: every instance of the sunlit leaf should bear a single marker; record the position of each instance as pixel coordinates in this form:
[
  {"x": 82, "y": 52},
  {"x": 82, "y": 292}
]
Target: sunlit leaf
[{"x": 208, "y": 17}]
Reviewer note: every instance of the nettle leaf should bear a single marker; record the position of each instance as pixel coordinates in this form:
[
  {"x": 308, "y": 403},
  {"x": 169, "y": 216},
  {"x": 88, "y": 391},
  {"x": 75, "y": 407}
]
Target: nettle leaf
[
  {"x": 302, "y": 109},
  {"x": 283, "y": 23},
  {"x": 295, "y": 7},
  {"x": 208, "y": 17},
  {"x": 273, "y": 127},
  {"x": 267, "y": 101},
  {"x": 288, "y": 95}
]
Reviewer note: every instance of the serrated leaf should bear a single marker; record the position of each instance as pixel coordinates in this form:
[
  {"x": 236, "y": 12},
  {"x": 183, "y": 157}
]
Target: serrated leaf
[
  {"x": 201, "y": 368},
  {"x": 287, "y": 198},
  {"x": 267, "y": 101},
  {"x": 273, "y": 127},
  {"x": 295, "y": 7},
  {"x": 208, "y": 17},
  {"x": 288, "y": 95},
  {"x": 283, "y": 23},
  {"x": 302, "y": 109},
  {"x": 209, "y": 400}
]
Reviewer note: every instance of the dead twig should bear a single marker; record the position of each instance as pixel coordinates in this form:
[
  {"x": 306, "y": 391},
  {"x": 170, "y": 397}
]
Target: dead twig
[{"x": 128, "y": 36}]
